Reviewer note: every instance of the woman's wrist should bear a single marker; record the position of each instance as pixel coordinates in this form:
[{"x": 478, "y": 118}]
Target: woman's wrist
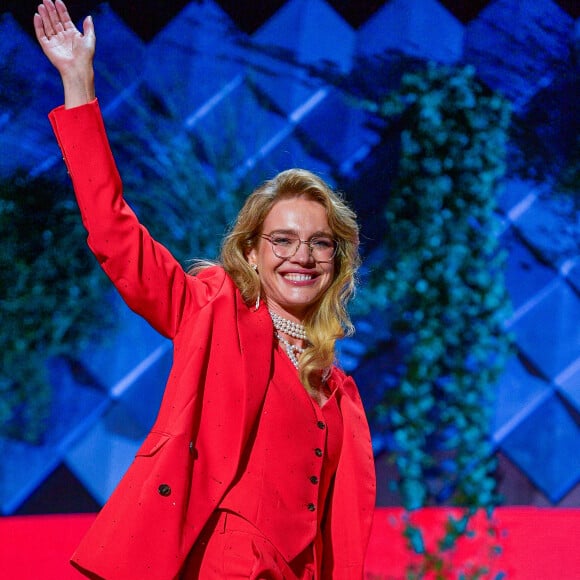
[{"x": 79, "y": 89}]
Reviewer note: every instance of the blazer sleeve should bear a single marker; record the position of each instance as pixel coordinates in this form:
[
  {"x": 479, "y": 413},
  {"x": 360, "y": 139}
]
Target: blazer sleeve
[{"x": 149, "y": 278}]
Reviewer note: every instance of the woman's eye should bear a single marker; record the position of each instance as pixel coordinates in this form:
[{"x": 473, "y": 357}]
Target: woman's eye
[
  {"x": 322, "y": 243},
  {"x": 281, "y": 241}
]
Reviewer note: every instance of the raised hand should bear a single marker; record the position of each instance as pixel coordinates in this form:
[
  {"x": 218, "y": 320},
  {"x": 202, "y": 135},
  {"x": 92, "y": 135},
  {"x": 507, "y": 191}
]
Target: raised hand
[{"x": 69, "y": 50}]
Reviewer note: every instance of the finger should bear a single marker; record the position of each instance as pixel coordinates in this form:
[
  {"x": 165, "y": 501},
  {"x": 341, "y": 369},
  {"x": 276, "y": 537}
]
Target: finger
[
  {"x": 88, "y": 26},
  {"x": 39, "y": 28},
  {"x": 53, "y": 16},
  {"x": 46, "y": 22},
  {"x": 63, "y": 14}
]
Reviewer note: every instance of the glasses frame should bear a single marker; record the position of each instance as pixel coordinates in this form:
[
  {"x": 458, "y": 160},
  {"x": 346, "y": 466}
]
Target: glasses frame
[{"x": 307, "y": 242}]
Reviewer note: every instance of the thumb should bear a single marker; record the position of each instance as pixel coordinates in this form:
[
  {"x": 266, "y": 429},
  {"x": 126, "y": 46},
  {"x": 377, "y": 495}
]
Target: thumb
[{"x": 88, "y": 26}]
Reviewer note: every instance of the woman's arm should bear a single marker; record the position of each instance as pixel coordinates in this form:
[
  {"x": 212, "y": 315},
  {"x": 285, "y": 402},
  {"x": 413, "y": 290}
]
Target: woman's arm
[
  {"x": 69, "y": 50},
  {"x": 148, "y": 277}
]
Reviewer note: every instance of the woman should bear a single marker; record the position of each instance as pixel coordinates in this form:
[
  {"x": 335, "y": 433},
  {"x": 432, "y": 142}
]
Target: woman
[{"x": 259, "y": 464}]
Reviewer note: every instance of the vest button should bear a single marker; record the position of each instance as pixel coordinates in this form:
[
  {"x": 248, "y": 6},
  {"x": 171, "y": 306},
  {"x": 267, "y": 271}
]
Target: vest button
[
  {"x": 314, "y": 479},
  {"x": 311, "y": 507},
  {"x": 320, "y": 425},
  {"x": 164, "y": 490},
  {"x": 318, "y": 452}
]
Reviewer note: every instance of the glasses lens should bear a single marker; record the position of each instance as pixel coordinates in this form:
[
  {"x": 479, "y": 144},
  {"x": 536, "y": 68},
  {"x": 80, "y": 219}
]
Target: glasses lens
[
  {"x": 322, "y": 249},
  {"x": 284, "y": 245}
]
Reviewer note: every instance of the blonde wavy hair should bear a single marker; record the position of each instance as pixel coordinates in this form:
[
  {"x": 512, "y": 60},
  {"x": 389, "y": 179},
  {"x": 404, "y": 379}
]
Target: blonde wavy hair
[{"x": 328, "y": 320}]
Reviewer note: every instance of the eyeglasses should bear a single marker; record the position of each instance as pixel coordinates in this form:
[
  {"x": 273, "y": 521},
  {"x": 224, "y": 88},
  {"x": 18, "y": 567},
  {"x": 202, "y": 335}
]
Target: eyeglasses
[{"x": 322, "y": 248}]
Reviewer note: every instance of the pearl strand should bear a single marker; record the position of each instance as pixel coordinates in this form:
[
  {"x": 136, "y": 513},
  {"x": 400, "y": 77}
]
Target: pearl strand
[
  {"x": 291, "y": 349},
  {"x": 288, "y": 327},
  {"x": 294, "y": 329},
  {"x": 297, "y": 331}
]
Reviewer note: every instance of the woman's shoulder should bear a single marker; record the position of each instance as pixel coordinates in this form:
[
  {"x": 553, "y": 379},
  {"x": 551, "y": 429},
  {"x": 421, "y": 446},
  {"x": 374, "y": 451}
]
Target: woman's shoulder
[
  {"x": 338, "y": 374},
  {"x": 213, "y": 276},
  {"x": 344, "y": 382},
  {"x": 205, "y": 270}
]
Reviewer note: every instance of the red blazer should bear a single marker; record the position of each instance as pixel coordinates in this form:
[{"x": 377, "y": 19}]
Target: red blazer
[{"x": 222, "y": 358}]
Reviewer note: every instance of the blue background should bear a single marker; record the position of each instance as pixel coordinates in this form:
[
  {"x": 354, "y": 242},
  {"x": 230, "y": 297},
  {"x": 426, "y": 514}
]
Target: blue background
[{"x": 198, "y": 53}]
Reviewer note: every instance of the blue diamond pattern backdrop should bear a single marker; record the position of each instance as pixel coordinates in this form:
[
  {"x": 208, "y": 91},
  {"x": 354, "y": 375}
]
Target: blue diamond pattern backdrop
[{"x": 197, "y": 64}]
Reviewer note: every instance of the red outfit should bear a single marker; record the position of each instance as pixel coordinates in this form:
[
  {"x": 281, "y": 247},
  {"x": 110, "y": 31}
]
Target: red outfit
[
  {"x": 273, "y": 494},
  {"x": 223, "y": 353},
  {"x": 231, "y": 547},
  {"x": 276, "y": 492}
]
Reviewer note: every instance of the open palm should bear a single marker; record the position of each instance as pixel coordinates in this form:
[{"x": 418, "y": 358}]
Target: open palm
[{"x": 63, "y": 44}]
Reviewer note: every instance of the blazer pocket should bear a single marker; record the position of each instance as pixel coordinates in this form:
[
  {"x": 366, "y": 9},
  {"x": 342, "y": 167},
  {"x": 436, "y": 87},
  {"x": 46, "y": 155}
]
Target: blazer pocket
[{"x": 153, "y": 443}]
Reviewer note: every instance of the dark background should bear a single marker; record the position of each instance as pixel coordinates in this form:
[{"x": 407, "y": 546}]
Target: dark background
[{"x": 147, "y": 17}]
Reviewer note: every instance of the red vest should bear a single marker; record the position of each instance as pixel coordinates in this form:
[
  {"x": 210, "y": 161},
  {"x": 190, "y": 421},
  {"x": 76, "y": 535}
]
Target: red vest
[{"x": 284, "y": 495}]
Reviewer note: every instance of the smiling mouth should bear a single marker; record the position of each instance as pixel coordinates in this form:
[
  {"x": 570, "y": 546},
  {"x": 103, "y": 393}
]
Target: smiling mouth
[{"x": 298, "y": 277}]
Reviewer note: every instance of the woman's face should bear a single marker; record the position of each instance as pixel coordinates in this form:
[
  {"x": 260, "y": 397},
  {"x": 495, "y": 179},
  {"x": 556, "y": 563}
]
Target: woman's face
[{"x": 291, "y": 285}]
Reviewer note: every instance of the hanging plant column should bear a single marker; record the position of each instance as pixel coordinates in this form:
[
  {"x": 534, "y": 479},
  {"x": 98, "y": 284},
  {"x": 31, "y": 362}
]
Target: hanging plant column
[{"x": 443, "y": 282}]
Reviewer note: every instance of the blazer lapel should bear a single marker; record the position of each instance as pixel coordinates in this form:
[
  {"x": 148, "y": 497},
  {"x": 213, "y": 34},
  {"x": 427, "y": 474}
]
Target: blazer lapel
[{"x": 256, "y": 345}]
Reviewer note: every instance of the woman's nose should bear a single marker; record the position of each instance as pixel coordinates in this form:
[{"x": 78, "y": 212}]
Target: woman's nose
[{"x": 303, "y": 254}]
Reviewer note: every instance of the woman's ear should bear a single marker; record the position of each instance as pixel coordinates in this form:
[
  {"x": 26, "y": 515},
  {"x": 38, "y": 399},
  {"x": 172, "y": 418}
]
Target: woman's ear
[{"x": 252, "y": 257}]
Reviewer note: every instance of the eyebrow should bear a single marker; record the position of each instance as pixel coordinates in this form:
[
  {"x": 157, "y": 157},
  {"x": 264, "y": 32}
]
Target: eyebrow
[{"x": 317, "y": 234}]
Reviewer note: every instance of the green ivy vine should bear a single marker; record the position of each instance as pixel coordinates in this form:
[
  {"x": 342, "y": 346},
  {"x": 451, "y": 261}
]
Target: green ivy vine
[
  {"x": 51, "y": 294},
  {"x": 441, "y": 280}
]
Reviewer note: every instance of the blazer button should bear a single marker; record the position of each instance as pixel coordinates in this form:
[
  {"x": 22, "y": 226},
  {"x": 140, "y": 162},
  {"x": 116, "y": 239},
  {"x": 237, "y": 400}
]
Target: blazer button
[
  {"x": 321, "y": 425},
  {"x": 164, "y": 490},
  {"x": 318, "y": 452},
  {"x": 192, "y": 450},
  {"x": 311, "y": 507},
  {"x": 314, "y": 479}
]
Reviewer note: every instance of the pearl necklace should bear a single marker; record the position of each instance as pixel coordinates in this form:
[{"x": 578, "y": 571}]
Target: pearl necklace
[
  {"x": 292, "y": 350},
  {"x": 288, "y": 327},
  {"x": 297, "y": 331}
]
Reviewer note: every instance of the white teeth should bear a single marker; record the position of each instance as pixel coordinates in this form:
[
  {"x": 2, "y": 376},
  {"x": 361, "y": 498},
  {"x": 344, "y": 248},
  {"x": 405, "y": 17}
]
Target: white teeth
[{"x": 298, "y": 277}]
